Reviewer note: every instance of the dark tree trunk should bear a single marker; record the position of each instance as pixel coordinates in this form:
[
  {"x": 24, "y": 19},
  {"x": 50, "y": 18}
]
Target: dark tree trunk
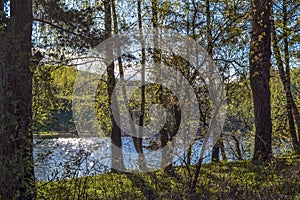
[
  {"x": 187, "y": 71},
  {"x": 2, "y": 14},
  {"x": 285, "y": 79},
  {"x": 237, "y": 148},
  {"x": 297, "y": 117},
  {"x": 16, "y": 145},
  {"x": 260, "y": 54},
  {"x": 217, "y": 148},
  {"x": 208, "y": 28},
  {"x": 222, "y": 147},
  {"x": 189, "y": 155},
  {"x": 291, "y": 101},
  {"x": 139, "y": 141},
  {"x": 216, "y": 152},
  {"x": 117, "y": 162},
  {"x": 157, "y": 60}
]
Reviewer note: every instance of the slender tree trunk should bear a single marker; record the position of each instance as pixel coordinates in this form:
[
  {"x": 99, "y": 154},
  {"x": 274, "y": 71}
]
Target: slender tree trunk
[
  {"x": 2, "y": 14},
  {"x": 222, "y": 147},
  {"x": 216, "y": 148},
  {"x": 157, "y": 60},
  {"x": 260, "y": 54},
  {"x": 136, "y": 139},
  {"x": 143, "y": 88},
  {"x": 287, "y": 88},
  {"x": 16, "y": 142},
  {"x": 189, "y": 155},
  {"x": 116, "y": 136},
  {"x": 237, "y": 148},
  {"x": 176, "y": 115},
  {"x": 186, "y": 73},
  {"x": 208, "y": 28},
  {"x": 216, "y": 152},
  {"x": 292, "y": 106},
  {"x": 297, "y": 117}
]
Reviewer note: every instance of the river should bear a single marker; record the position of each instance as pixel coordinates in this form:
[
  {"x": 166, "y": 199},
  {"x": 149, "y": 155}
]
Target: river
[{"x": 60, "y": 158}]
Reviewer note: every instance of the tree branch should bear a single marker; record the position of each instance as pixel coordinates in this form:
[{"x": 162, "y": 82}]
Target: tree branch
[{"x": 58, "y": 27}]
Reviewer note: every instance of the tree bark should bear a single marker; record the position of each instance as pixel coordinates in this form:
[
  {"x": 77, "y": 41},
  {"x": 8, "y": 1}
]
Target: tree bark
[
  {"x": 157, "y": 60},
  {"x": 136, "y": 139},
  {"x": 16, "y": 141},
  {"x": 216, "y": 152},
  {"x": 297, "y": 117},
  {"x": 143, "y": 90},
  {"x": 2, "y": 14},
  {"x": 260, "y": 54},
  {"x": 117, "y": 163},
  {"x": 237, "y": 148},
  {"x": 208, "y": 28},
  {"x": 292, "y": 107},
  {"x": 222, "y": 147}
]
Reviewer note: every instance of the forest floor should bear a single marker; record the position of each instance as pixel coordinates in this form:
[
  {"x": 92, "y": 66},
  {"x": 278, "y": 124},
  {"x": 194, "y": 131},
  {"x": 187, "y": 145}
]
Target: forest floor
[{"x": 279, "y": 179}]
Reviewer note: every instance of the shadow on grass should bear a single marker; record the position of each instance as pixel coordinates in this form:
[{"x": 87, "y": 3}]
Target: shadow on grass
[{"x": 148, "y": 191}]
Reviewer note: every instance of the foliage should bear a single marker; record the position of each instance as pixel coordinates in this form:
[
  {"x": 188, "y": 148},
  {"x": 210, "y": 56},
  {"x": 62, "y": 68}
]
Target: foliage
[{"x": 52, "y": 98}]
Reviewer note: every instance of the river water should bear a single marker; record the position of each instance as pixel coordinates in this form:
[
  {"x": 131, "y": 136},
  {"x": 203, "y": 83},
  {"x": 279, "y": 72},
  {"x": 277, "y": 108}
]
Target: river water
[{"x": 60, "y": 158}]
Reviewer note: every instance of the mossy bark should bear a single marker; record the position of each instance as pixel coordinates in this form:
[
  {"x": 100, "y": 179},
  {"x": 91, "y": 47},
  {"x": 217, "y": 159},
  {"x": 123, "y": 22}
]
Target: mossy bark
[
  {"x": 16, "y": 142},
  {"x": 260, "y": 54}
]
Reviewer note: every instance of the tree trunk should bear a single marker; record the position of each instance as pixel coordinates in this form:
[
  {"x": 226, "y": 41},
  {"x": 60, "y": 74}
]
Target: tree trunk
[
  {"x": 237, "y": 148},
  {"x": 216, "y": 147},
  {"x": 186, "y": 72},
  {"x": 285, "y": 79},
  {"x": 287, "y": 72},
  {"x": 189, "y": 155},
  {"x": 297, "y": 117},
  {"x": 260, "y": 54},
  {"x": 216, "y": 152},
  {"x": 117, "y": 162},
  {"x": 222, "y": 147},
  {"x": 136, "y": 139},
  {"x": 16, "y": 142},
  {"x": 208, "y": 28},
  {"x": 157, "y": 59},
  {"x": 2, "y": 14},
  {"x": 143, "y": 89}
]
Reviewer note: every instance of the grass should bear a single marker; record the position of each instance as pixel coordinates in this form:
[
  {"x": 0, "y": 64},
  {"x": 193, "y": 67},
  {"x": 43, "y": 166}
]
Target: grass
[{"x": 279, "y": 179}]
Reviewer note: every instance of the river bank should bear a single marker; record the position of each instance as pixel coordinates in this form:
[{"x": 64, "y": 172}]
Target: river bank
[
  {"x": 54, "y": 134},
  {"x": 279, "y": 179}
]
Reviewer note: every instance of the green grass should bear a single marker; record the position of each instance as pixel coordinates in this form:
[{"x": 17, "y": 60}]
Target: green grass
[{"x": 279, "y": 179}]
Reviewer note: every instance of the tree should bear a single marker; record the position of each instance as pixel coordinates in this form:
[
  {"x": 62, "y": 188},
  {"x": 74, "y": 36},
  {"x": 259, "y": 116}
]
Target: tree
[
  {"x": 137, "y": 135},
  {"x": 116, "y": 137},
  {"x": 285, "y": 77},
  {"x": 216, "y": 147},
  {"x": 16, "y": 159},
  {"x": 260, "y": 54},
  {"x": 139, "y": 141}
]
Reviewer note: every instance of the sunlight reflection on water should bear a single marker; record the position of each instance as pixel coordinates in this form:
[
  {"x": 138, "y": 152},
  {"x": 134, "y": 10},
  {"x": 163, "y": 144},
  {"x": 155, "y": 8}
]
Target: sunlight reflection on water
[{"x": 60, "y": 158}]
